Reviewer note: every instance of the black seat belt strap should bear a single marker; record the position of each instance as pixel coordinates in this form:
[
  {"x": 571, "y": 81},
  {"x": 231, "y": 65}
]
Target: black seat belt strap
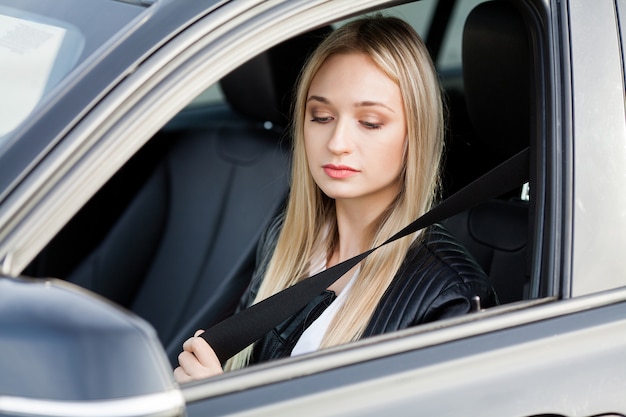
[{"x": 244, "y": 328}]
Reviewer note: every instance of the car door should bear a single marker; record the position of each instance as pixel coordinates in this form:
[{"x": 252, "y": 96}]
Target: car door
[{"x": 560, "y": 354}]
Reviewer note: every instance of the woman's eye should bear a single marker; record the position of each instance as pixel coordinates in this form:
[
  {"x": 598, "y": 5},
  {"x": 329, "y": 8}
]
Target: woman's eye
[
  {"x": 318, "y": 119},
  {"x": 371, "y": 125}
]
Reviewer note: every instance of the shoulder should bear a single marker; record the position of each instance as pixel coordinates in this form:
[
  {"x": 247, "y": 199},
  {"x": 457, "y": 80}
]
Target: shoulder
[
  {"x": 438, "y": 279},
  {"x": 438, "y": 256}
]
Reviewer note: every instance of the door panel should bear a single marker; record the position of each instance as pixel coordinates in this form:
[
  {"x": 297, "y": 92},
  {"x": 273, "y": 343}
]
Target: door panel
[{"x": 572, "y": 365}]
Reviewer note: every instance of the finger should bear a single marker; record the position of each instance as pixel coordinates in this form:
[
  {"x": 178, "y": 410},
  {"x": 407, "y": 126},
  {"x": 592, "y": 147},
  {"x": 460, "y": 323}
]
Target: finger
[
  {"x": 187, "y": 344},
  {"x": 204, "y": 352},
  {"x": 198, "y": 357},
  {"x": 181, "y": 376},
  {"x": 189, "y": 363},
  {"x": 192, "y": 367}
]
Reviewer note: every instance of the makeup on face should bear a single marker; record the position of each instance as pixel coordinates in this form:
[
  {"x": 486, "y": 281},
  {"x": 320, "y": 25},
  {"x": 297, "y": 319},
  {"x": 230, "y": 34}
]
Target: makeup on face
[{"x": 355, "y": 130}]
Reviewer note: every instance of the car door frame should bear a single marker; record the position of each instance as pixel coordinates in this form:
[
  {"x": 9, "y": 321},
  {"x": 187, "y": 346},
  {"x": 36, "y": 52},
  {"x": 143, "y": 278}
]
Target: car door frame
[{"x": 450, "y": 355}]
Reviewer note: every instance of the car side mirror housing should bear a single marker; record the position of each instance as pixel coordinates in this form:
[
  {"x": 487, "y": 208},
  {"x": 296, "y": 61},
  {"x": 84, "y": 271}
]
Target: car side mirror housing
[{"x": 64, "y": 349}]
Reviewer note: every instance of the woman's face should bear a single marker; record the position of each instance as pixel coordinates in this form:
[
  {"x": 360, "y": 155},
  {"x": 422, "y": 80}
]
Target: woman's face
[{"x": 354, "y": 131}]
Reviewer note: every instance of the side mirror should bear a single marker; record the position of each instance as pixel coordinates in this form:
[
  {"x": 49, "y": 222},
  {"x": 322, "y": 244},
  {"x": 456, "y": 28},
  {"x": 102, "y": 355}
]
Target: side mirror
[{"x": 65, "y": 351}]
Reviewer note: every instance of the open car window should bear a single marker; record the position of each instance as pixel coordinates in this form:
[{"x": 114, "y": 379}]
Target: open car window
[{"x": 176, "y": 208}]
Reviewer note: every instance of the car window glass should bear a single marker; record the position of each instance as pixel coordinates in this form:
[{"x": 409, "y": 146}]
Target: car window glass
[
  {"x": 212, "y": 95},
  {"x": 42, "y": 43},
  {"x": 36, "y": 53}
]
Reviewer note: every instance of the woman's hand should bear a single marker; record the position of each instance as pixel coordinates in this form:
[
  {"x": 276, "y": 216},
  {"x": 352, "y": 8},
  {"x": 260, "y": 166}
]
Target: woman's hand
[{"x": 197, "y": 360}]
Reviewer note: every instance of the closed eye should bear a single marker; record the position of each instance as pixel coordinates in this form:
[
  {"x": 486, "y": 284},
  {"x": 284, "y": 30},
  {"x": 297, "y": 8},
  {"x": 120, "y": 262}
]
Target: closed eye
[
  {"x": 321, "y": 119},
  {"x": 370, "y": 125}
]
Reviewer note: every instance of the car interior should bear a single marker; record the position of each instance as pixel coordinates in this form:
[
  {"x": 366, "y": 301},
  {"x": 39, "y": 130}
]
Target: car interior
[{"x": 173, "y": 235}]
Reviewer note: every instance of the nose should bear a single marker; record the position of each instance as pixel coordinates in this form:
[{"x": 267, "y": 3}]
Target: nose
[{"x": 340, "y": 143}]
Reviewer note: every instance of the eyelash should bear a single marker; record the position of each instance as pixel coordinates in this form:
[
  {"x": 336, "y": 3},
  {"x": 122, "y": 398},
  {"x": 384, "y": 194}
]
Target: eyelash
[
  {"x": 320, "y": 119},
  {"x": 367, "y": 125},
  {"x": 372, "y": 126}
]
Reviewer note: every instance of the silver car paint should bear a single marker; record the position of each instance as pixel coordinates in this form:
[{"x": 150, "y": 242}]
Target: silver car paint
[{"x": 599, "y": 140}]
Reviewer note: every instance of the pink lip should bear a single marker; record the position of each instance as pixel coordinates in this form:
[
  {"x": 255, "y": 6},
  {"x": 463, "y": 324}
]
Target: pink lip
[{"x": 339, "y": 171}]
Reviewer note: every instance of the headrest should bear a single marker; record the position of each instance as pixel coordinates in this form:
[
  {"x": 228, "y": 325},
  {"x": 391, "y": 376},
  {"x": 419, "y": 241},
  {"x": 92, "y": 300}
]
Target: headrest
[
  {"x": 262, "y": 88},
  {"x": 497, "y": 69}
]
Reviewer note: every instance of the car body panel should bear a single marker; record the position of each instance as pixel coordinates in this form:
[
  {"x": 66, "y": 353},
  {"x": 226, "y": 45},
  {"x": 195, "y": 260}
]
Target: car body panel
[{"x": 598, "y": 102}]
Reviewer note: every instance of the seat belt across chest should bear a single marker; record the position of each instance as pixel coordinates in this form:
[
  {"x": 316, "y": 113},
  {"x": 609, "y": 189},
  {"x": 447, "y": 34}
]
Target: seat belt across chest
[{"x": 235, "y": 333}]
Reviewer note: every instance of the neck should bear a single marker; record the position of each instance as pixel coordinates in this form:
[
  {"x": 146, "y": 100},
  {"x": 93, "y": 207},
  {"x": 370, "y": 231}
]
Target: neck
[{"x": 354, "y": 223}]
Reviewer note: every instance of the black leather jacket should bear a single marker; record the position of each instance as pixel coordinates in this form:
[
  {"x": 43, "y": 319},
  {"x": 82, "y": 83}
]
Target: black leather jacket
[{"x": 437, "y": 280}]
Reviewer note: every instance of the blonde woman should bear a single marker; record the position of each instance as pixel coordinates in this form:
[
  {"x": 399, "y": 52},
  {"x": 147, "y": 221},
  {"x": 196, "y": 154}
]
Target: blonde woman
[{"x": 368, "y": 140}]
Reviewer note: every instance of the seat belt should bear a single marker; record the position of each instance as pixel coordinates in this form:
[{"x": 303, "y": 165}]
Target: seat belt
[{"x": 235, "y": 333}]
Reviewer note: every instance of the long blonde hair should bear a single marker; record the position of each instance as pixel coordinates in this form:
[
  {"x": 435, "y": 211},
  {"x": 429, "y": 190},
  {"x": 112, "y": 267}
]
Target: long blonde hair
[{"x": 400, "y": 53}]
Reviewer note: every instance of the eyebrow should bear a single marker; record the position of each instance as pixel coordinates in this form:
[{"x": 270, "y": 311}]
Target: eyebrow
[
  {"x": 318, "y": 98},
  {"x": 366, "y": 103},
  {"x": 373, "y": 104}
]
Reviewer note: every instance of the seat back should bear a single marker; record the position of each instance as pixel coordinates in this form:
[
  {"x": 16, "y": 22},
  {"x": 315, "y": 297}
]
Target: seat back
[
  {"x": 183, "y": 251},
  {"x": 497, "y": 74}
]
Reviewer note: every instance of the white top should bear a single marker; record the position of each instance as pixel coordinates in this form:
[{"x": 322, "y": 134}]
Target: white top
[{"x": 312, "y": 337}]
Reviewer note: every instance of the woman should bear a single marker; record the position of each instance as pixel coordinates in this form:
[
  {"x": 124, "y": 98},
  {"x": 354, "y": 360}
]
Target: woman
[{"x": 368, "y": 140}]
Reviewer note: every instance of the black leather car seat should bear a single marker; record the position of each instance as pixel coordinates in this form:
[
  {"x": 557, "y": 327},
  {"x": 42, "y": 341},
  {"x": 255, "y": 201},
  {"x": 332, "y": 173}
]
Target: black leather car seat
[
  {"x": 183, "y": 251},
  {"x": 497, "y": 74}
]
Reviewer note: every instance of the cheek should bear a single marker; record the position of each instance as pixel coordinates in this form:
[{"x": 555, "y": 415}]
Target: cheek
[
  {"x": 391, "y": 154},
  {"x": 315, "y": 139}
]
